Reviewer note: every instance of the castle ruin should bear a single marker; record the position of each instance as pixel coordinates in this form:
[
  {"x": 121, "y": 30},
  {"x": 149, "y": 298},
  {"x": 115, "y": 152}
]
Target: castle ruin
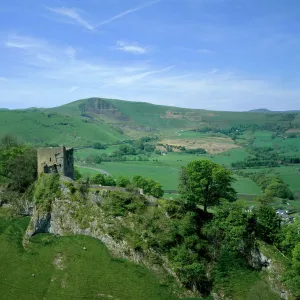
[{"x": 56, "y": 160}]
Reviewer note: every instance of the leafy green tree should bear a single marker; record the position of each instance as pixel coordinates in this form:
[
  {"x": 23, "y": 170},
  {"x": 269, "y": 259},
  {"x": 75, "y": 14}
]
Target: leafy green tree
[
  {"x": 204, "y": 182},
  {"x": 268, "y": 223},
  {"x": 279, "y": 189},
  {"x": 292, "y": 277},
  {"x": 77, "y": 174},
  {"x": 98, "y": 179},
  {"x": 99, "y": 145},
  {"x": 289, "y": 237},
  {"x": 149, "y": 147},
  {"x": 110, "y": 181},
  {"x": 18, "y": 164},
  {"x": 156, "y": 190},
  {"x": 140, "y": 182},
  {"x": 122, "y": 181},
  {"x": 148, "y": 185},
  {"x": 232, "y": 228}
]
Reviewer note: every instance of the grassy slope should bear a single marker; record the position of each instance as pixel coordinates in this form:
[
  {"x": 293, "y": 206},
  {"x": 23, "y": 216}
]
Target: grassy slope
[
  {"x": 90, "y": 274},
  {"x": 60, "y": 124},
  {"x": 38, "y": 127},
  {"x": 66, "y": 125},
  {"x": 155, "y": 115}
]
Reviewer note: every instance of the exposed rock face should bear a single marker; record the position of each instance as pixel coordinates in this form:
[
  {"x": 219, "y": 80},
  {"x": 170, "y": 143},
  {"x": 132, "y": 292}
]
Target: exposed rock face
[
  {"x": 258, "y": 260},
  {"x": 68, "y": 217}
]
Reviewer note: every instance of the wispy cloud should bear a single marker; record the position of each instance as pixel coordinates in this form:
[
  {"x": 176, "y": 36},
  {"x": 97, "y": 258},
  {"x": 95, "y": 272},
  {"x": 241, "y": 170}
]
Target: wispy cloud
[
  {"x": 131, "y": 47},
  {"x": 204, "y": 51},
  {"x": 73, "y": 15},
  {"x": 200, "y": 50},
  {"x": 59, "y": 81},
  {"x": 73, "y": 89},
  {"x": 129, "y": 11},
  {"x": 136, "y": 77},
  {"x": 70, "y": 52},
  {"x": 45, "y": 58},
  {"x": 21, "y": 42}
]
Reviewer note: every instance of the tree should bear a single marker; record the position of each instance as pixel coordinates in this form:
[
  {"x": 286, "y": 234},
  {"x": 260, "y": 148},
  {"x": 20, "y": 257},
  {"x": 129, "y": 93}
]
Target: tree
[
  {"x": 279, "y": 189},
  {"x": 77, "y": 174},
  {"x": 267, "y": 223},
  {"x": 98, "y": 145},
  {"x": 148, "y": 185},
  {"x": 18, "y": 164},
  {"x": 98, "y": 179},
  {"x": 110, "y": 181},
  {"x": 292, "y": 276},
  {"x": 122, "y": 181},
  {"x": 232, "y": 228},
  {"x": 204, "y": 182},
  {"x": 289, "y": 237}
]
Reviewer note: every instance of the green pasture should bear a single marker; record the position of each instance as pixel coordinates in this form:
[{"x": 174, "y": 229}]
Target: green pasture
[
  {"x": 166, "y": 170},
  {"x": 84, "y": 153},
  {"x": 289, "y": 174},
  {"x": 38, "y": 127},
  {"x": 59, "y": 268}
]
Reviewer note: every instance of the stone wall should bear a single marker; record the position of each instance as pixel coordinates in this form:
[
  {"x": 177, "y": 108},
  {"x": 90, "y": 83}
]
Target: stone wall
[{"x": 56, "y": 160}]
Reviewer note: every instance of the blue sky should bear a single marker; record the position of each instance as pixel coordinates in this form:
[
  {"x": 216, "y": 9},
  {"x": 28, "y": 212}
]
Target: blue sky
[{"x": 211, "y": 54}]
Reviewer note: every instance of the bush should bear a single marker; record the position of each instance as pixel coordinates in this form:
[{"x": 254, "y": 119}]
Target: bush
[
  {"x": 268, "y": 223},
  {"x": 122, "y": 181},
  {"x": 148, "y": 185},
  {"x": 103, "y": 180},
  {"x": 99, "y": 145},
  {"x": 98, "y": 179},
  {"x": 119, "y": 203}
]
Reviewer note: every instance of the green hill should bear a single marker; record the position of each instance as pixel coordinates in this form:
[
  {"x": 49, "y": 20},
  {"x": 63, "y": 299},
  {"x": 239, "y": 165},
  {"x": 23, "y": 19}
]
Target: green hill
[
  {"x": 109, "y": 120},
  {"x": 59, "y": 268}
]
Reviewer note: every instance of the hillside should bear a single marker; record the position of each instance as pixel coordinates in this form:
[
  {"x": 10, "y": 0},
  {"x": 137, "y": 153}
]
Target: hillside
[
  {"x": 108, "y": 120},
  {"x": 59, "y": 268}
]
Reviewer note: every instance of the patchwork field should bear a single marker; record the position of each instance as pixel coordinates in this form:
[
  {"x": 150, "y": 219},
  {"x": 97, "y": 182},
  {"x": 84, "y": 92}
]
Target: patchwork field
[
  {"x": 212, "y": 145},
  {"x": 166, "y": 169}
]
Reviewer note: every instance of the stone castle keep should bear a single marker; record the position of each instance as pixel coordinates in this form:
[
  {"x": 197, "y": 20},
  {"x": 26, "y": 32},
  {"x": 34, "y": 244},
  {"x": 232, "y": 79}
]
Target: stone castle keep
[{"x": 56, "y": 160}]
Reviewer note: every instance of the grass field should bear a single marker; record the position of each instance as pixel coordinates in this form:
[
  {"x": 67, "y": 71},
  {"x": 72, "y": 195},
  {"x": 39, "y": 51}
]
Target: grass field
[
  {"x": 166, "y": 169},
  {"x": 58, "y": 268},
  {"x": 38, "y": 127}
]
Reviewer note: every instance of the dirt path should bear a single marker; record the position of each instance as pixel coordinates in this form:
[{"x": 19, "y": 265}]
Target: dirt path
[{"x": 95, "y": 169}]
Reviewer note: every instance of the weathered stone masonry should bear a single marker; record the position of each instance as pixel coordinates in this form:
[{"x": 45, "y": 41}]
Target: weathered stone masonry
[{"x": 56, "y": 160}]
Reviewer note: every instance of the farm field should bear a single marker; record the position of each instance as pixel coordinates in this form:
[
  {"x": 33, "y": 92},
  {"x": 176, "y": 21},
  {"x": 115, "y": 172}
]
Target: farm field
[
  {"x": 59, "y": 268},
  {"x": 166, "y": 169}
]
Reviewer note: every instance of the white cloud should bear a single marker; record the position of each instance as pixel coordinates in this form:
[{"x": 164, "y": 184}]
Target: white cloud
[
  {"x": 56, "y": 82},
  {"x": 129, "y": 11},
  {"x": 73, "y": 89},
  {"x": 214, "y": 71},
  {"x": 21, "y": 42},
  {"x": 45, "y": 58},
  {"x": 204, "y": 51},
  {"x": 70, "y": 52},
  {"x": 73, "y": 15},
  {"x": 131, "y": 47},
  {"x": 133, "y": 78}
]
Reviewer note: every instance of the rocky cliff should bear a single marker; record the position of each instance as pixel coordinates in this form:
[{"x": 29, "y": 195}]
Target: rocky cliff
[{"x": 73, "y": 210}]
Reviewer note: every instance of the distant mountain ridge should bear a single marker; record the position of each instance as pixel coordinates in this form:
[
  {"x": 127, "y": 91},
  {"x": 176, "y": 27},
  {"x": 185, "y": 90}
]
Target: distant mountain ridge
[
  {"x": 86, "y": 121},
  {"x": 265, "y": 110}
]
